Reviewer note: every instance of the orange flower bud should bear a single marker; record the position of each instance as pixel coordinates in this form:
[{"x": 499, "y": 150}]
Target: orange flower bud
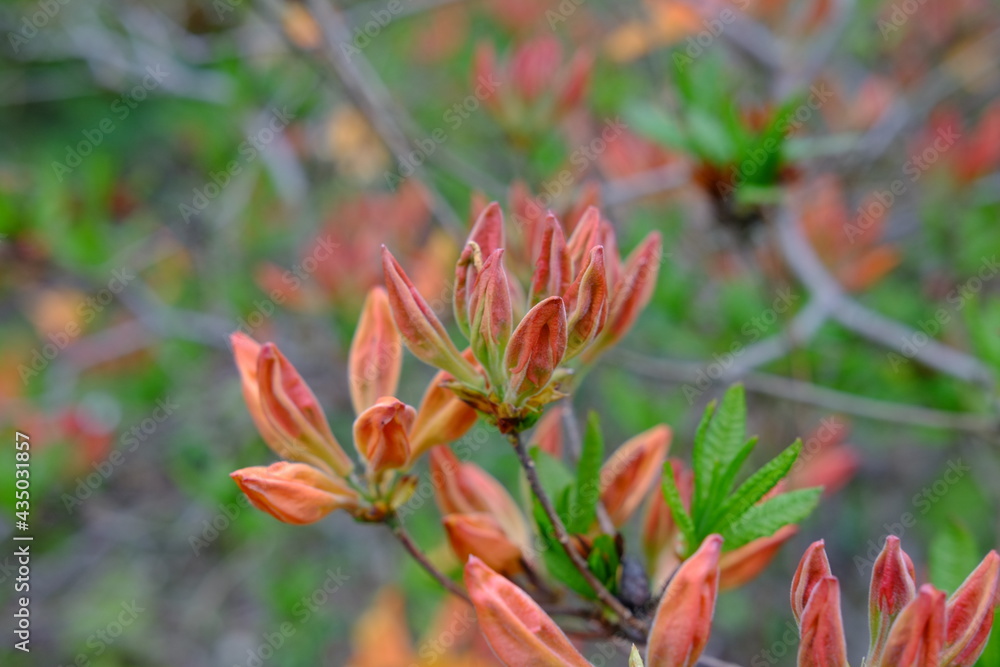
[
  {"x": 419, "y": 326},
  {"x": 660, "y": 532},
  {"x": 296, "y": 416},
  {"x": 627, "y": 476},
  {"x": 381, "y": 434},
  {"x": 741, "y": 565},
  {"x": 584, "y": 238},
  {"x": 465, "y": 488},
  {"x": 969, "y": 614},
  {"x": 517, "y": 629},
  {"x": 917, "y": 637},
  {"x": 486, "y": 237},
  {"x": 294, "y": 492},
  {"x": 246, "y": 351},
  {"x": 821, "y": 627},
  {"x": 589, "y": 303},
  {"x": 535, "y": 349},
  {"x": 481, "y": 535},
  {"x": 441, "y": 418},
  {"x": 376, "y": 355},
  {"x": 484, "y": 68},
  {"x": 813, "y": 568},
  {"x": 892, "y": 587},
  {"x": 575, "y": 85},
  {"x": 631, "y": 294},
  {"x": 490, "y": 315},
  {"x": 533, "y": 66},
  {"x": 548, "y": 433},
  {"x": 683, "y": 620},
  {"x": 552, "y": 268}
]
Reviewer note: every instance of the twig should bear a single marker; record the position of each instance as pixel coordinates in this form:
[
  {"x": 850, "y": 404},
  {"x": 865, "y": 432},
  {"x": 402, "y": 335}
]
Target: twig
[
  {"x": 603, "y": 594},
  {"x": 709, "y": 661},
  {"x": 420, "y": 557}
]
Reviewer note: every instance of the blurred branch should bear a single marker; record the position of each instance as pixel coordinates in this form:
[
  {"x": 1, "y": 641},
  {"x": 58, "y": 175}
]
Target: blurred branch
[
  {"x": 404, "y": 538},
  {"x": 364, "y": 11},
  {"x": 655, "y": 181}
]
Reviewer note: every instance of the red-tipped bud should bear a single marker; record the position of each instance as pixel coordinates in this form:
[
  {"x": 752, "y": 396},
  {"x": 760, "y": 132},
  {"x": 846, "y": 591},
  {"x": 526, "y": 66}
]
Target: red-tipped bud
[
  {"x": 533, "y": 66},
  {"x": 419, "y": 326},
  {"x": 490, "y": 316},
  {"x": 535, "y": 350},
  {"x": 585, "y": 237},
  {"x": 813, "y": 568},
  {"x": 517, "y": 629},
  {"x": 484, "y": 68},
  {"x": 821, "y": 627},
  {"x": 892, "y": 587},
  {"x": 575, "y": 86},
  {"x": 683, "y": 619},
  {"x": 294, "y": 492},
  {"x": 246, "y": 352},
  {"x": 480, "y": 535},
  {"x": 970, "y": 614},
  {"x": 486, "y": 237},
  {"x": 631, "y": 294},
  {"x": 296, "y": 416},
  {"x": 441, "y": 418},
  {"x": 552, "y": 269},
  {"x": 917, "y": 637},
  {"x": 590, "y": 304},
  {"x": 741, "y": 565},
  {"x": 376, "y": 355},
  {"x": 381, "y": 434},
  {"x": 627, "y": 476}
]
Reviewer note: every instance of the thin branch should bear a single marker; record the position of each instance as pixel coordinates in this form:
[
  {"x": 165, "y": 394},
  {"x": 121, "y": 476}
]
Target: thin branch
[
  {"x": 603, "y": 594},
  {"x": 420, "y": 557},
  {"x": 709, "y": 661}
]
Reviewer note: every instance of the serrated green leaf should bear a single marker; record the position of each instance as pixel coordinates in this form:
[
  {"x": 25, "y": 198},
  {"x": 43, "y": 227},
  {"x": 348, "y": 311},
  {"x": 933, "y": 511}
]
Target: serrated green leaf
[
  {"x": 767, "y": 518},
  {"x": 953, "y": 555},
  {"x": 756, "y": 487},
  {"x": 553, "y": 474},
  {"x": 603, "y": 561},
  {"x": 673, "y": 497},
  {"x": 588, "y": 478},
  {"x": 718, "y": 443},
  {"x": 556, "y": 561}
]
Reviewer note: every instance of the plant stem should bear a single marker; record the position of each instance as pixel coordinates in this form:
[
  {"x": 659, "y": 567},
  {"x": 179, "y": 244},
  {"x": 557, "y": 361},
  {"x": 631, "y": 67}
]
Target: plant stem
[
  {"x": 603, "y": 594},
  {"x": 420, "y": 557}
]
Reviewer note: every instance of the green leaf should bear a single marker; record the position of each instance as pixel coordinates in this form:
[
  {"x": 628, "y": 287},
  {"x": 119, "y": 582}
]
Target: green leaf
[
  {"x": 767, "y": 518},
  {"x": 673, "y": 497},
  {"x": 756, "y": 487},
  {"x": 603, "y": 561},
  {"x": 719, "y": 443},
  {"x": 556, "y": 561},
  {"x": 554, "y": 475},
  {"x": 657, "y": 125},
  {"x": 634, "y": 659},
  {"x": 953, "y": 555},
  {"x": 588, "y": 478},
  {"x": 710, "y": 138}
]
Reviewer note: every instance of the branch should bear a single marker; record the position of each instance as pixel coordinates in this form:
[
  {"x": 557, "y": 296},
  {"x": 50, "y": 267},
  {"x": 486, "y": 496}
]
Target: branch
[
  {"x": 603, "y": 594},
  {"x": 420, "y": 557}
]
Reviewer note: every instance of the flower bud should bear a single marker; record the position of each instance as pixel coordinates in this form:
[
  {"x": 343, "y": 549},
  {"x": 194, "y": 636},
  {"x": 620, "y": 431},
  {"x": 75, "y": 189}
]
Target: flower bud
[
  {"x": 381, "y": 434},
  {"x": 294, "y": 492},
  {"x": 420, "y": 328},
  {"x": 589, "y": 303},
  {"x": 376, "y": 355},
  {"x": 246, "y": 352},
  {"x": 585, "y": 237},
  {"x": 485, "y": 238},
  {"x": 969, "y": 614},
  {"x": 296, "y": 416},
  {"x": 683, "y": 620},
  {"x": 627, "y": 476},
  {"x": 575, "y": 86},
  {"x": 481, "y": 535},
  {"x": 490, "y": 315},
  {"x": 553, "y": 272},
  {"x": 813, "y": 568},
  {"x": 441, "y": 418},
  {"x": 659, "y": 530},
  {"x": 821, "y": 627},
  {"x": 535, "y": 350},
  {"x": 517, "y": 629},
  {"x": 892, "y": 587},
  {"x": 741, "y": 565},
  {"x": 918, "y": 634}
]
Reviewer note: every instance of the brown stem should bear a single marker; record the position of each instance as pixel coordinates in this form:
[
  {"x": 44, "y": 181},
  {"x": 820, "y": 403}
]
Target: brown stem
[
  {"x": 603, "y": 594},
  {"x": 420, "y": 557}
]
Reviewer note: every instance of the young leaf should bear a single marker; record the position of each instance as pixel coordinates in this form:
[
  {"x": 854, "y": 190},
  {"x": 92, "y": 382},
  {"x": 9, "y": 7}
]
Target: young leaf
[
  {"x": 553, "y": 474},
  {"x": 588, "y": 478},
  {"x": 765, "y": 519},
  {"x": 656, "y": 124},
  {"x": 556, "y": 561},
  {"x": 718, "y": 443},
  {"x": 634, "y": 659},
  {"x": 953, "y": 554},
  {"x": 603, "y": 561},
  {"x": 751, "y": 491},
  {"x": 673, "y": 497}
]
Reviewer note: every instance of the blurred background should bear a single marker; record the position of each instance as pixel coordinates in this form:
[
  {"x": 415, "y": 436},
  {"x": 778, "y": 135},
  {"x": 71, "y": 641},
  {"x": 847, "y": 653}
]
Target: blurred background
[{"x": 824, "y": 173}]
